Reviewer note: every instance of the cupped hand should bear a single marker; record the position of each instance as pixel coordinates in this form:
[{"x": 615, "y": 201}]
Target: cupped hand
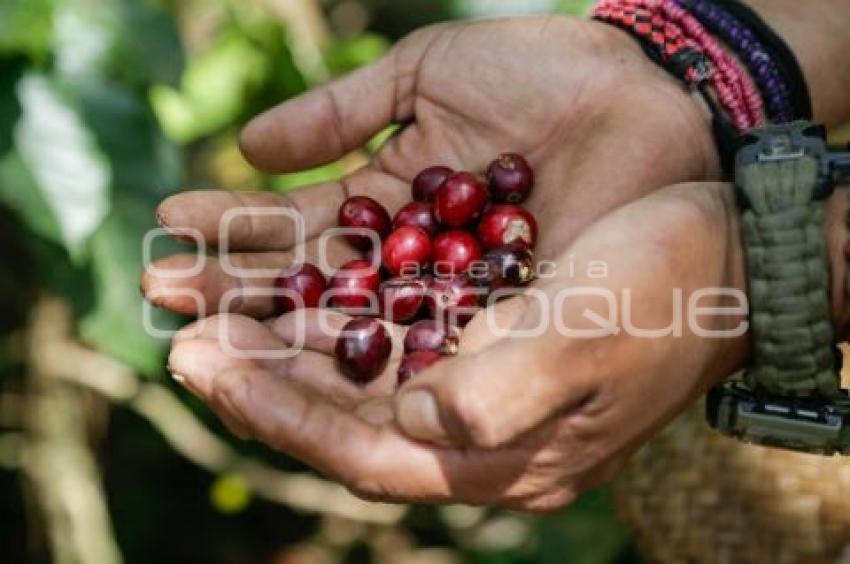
[
  {"x": 600, "y": 123},
  {"x": 543, "y": 402}
]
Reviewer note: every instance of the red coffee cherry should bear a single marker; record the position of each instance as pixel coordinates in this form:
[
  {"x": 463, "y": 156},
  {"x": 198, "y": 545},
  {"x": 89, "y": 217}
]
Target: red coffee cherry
[
  {"x": 460, "y": 200},
  {"x": 355, "y": 285},
  {"x": 417, "y": 214},
  {"x": 400, "y": 299},
  {"x": 364, "y": 213},
  {"x": 407, "y": 248},
  {"x": 414, "y": 363},
  {"x": 430, "y": 335},
  {"x": 510, "y": 179},
  {"x": 454, "y": 251},
  {"x": 507, "y": 223},
  {"x": 304, "y": 280},
  {"x": 452, "y": 299},
  {"x": 363, "y": 350},
  {"x": 427, "y": 182}
]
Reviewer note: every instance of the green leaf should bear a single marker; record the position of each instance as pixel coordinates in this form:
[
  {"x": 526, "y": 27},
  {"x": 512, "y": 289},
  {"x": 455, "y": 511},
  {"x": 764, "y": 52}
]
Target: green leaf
[
  {"x": 146, "y": 168},
  {"x": 11, "y": 70},
  {"x": 346, "y": 55},
  {"x": 578, "y": 8},
  {"x": 25, "y": 27},
  {"x": 214, "y": 88},
  {"x": 19, "y": 192},
  {"x": 149, "y": 49},
  {"x": 587, "y": 532},
  {"x": 144, "y": 163},
  {"x": 130, "y": 41},
  {"x": 71, "y": 172},
  {"x": 115, "y": 324},
  {"x": 326, "y": 173}
]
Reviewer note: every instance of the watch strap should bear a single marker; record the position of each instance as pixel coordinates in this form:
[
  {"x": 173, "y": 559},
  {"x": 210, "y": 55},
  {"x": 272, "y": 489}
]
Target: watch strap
[{"x": 783, "y": 231}]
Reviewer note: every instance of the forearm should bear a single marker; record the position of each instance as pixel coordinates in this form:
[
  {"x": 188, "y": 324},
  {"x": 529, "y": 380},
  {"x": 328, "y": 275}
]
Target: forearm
[{"x": 817, "y": 32}]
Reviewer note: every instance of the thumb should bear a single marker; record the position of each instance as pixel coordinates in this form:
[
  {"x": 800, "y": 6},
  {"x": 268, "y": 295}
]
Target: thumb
[
  {"x": 329, "y": 122},
  {"x": 489, "y": 398}
]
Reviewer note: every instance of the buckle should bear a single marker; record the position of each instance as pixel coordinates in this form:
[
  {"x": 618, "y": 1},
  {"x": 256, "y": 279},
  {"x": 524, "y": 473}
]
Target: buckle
[
  {"x": 804, "y": 425},
  {"x": 786, "y": 142}
]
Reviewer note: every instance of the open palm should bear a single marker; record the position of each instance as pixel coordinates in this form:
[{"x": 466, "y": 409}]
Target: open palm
[{"x": 602, "y": 127}]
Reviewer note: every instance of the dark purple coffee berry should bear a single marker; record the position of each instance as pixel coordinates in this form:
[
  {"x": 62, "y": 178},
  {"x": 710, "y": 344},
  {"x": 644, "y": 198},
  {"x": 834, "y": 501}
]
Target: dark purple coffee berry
[
  {"x": 510, "y": 179},
  {"x": 426, "y": 184},
  {"x": 364, "y": 214},
  {"x": 363, "y": 350},
  {"x": 508, "y": 266}
]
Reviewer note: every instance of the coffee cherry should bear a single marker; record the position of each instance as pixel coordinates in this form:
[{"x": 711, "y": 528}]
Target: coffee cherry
[
  {"x": 452, "y": 299},
  {"x": 414, "y": 363},
  {"x": 426, "y": 184},
  {"x": 508, "y": 266},
  {"x": 417, "y": 214},
  {"x": 507, "y": 223},
  {"x": 400, "y": 299},
  {"x": 406, "y": 249},
  {"x": 355, "y": 285},
  {"x": 454, "y": 251},
  {"x": 510, "y": 179},
  {"x": 363, "y": 349},
  {"x": 364, "y": 213},
  {"x": 460, "y": 200},
  {"x": 304, "y": 280},
  {"x": 430, "y": 335}
]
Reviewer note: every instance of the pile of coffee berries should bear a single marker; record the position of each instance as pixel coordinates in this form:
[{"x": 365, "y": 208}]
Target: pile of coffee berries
[{"x": 441, "y": 256}]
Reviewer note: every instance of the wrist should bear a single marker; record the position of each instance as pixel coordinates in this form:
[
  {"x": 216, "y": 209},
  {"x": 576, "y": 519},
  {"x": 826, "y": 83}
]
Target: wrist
[
  {"x": 837, "y": 220},
  {"x": 817, "y": 34}
]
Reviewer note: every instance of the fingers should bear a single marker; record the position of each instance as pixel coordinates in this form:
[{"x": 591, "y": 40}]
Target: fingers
[
  {"x": 255, "y": 221},
  {"x": 353, "y": 439},
  {"x": 259, "y": 221},
  {"x": 490, "y": 398},
  {"x": 374, "y": 460},
  {"x": 319, "y": 329},
  {"x": 220, "y": 287},
  {"x": 326, "y": 123},
  {"x": 206, "y": 347}
]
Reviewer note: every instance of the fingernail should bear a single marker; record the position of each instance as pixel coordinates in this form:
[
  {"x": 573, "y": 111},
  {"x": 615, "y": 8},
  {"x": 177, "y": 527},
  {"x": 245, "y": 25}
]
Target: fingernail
[
  {"x": 160, "y": 218},
  {"x": 188, "y": 363},
  {"x": 418, "y": 416}
]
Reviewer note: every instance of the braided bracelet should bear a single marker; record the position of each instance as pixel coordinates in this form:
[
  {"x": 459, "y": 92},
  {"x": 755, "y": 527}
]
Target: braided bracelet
[
  {"x": 666, "y": 25},
  {"x": 758, "y": 59},
  {"x": 790, "y": 69}
]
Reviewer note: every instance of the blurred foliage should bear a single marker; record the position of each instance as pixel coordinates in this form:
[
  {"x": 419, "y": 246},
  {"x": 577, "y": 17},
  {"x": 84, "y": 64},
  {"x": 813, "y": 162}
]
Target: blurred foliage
[{"x": 107, "y": 107}]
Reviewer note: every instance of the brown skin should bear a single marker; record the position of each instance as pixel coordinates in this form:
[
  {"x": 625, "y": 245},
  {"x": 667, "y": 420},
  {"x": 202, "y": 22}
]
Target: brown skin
[
  {"x": 521, "y": 423},
  {"x": 603, "y": 127}
]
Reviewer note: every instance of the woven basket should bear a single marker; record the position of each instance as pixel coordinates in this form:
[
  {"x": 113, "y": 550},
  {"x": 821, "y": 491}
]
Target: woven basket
[{"x": 692, "y": 495}]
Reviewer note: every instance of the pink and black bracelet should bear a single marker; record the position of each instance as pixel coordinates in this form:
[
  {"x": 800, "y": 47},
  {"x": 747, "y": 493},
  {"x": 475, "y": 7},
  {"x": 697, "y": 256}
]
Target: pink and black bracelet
[
  {"x": 677, "y": 40},
  {"x": 759, "y": 59},
  {"x": 671, "y": 30}
]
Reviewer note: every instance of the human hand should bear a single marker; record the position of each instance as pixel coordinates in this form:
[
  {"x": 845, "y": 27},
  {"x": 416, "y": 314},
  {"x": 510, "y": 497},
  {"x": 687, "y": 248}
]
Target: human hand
[
  {"x": 516, "y": 421},
  {"x": 600, "y": 123}
]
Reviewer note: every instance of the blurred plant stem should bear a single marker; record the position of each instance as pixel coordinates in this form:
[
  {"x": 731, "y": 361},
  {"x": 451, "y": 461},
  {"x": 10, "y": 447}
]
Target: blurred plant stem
[
  {"x": 58, "y": 461},
  {"x": 62, "y": 359}
]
